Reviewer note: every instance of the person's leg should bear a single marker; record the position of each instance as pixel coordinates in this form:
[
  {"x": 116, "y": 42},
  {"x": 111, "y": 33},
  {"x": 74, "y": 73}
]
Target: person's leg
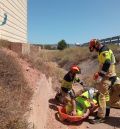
[
  {"x": 71, "y": 93},
  {"x": 63, "y": 95},
  {"x": 102, "y": 106},
  {"x": 107, "y": 97},
  {"x": 103, "y": 91}
]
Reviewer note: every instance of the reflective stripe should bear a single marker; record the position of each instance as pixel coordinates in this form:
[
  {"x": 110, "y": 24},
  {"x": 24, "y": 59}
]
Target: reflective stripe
[
  {"x": 113, "y": 61},
  {"x": 107, "y": 98}
]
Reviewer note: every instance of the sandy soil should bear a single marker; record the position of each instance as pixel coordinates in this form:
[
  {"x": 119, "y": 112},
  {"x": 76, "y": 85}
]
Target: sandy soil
[
  {"x": 53, "y": 122},
  {"x": 38, "y": 115},
  {"x": 44, "y": 112},
  {"x": 43, "y": 109}
]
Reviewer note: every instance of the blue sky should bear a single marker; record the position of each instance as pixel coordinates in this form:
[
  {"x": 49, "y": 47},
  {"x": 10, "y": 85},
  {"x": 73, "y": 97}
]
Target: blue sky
[{"x": 50, "y": 21}]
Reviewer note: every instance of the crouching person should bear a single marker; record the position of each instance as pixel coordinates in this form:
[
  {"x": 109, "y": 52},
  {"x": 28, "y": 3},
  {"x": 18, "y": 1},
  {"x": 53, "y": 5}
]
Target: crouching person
[{"x": 67, "y": 83}]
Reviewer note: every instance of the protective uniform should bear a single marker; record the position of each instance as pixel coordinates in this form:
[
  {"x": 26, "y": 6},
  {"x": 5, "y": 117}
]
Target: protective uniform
[
  {"x": 67, "y": 82},
  {"x": 107, "y": 72},
  {"x": 105, "y": 78}
]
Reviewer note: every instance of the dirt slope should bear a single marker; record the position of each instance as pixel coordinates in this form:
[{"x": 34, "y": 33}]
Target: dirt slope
[
  {"x": 38, "y": 114},
  {"x": 43, "y": 111}
]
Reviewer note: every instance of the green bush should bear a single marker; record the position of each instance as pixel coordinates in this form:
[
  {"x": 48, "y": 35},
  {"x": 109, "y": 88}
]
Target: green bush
[{"x": 62, "y": 45}]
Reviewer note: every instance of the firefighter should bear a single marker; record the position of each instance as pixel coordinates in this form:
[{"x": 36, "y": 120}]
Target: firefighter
[
  {"x": 106, "y": 76},
  {"x": 67, "y": 86}
]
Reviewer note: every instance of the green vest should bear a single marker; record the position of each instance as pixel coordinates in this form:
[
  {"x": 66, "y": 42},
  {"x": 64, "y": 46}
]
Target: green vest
[{"x": 81, "y": 104}]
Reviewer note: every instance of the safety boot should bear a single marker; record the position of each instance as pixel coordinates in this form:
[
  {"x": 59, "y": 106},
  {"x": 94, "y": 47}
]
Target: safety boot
[
  {"x": 107, "y": 112},
  {"x": 97, "y": 120}
]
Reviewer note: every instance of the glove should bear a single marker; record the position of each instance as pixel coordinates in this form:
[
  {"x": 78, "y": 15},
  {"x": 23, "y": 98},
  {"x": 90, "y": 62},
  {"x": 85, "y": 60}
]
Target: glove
[
  {"x": 77, "y": 79},
  {"x": 82, "y": 83},
  {"x": 97, "y": 77}
]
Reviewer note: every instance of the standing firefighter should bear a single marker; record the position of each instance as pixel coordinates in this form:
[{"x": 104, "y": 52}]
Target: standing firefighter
[{"x": 105, "y": 78}]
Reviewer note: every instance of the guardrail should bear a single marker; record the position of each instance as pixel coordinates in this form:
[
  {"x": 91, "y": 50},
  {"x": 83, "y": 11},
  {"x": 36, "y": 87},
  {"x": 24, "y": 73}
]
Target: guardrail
[
  {"x": 111, "y": 40},
  {"x": 115, "y": 40}
]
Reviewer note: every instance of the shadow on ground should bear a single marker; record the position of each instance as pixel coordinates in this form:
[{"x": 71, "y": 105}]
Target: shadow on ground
[
  {"x": 53, "y": 104},
  {"x": 113, "y": 121}
]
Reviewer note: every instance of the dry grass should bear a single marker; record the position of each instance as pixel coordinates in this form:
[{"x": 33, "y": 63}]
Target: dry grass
[
  {"x": 54, "y": 63},
  {"x": 43, "y": 61},
  {"x": 5, "y": 43},
  {"x": 71, "y": 56},
  {"x": 15, "y": 94},
  {"x": 50, "y": 62}
]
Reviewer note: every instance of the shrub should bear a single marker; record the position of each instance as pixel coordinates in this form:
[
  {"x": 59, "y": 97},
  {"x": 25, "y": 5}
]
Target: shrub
[
  {"x": 15, "y": 94},
  {"x": 62, "y": 45}
]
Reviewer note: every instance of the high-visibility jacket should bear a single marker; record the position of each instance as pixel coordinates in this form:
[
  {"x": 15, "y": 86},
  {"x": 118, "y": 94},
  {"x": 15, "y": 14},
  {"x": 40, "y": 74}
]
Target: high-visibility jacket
[
  {"x": 85, "y": 96},
  {"x": 66, "y": 84},
  {"x": 107, "y": 61},
  {"x": 81, "y": 104},
  {"x": 79, "y": 110},
  {"x": 68, "y": 80}
]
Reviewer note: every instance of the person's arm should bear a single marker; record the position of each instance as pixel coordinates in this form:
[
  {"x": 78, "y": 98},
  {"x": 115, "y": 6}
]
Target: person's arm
[
  {"x": 74, "y": 107},
  {"x": 79, "y": 81}
]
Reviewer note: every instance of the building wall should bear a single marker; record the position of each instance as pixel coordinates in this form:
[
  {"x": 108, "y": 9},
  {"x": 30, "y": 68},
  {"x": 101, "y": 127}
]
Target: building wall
[
  {"x": 15, "y": 29},
  {"x": 0, "y": 19}
]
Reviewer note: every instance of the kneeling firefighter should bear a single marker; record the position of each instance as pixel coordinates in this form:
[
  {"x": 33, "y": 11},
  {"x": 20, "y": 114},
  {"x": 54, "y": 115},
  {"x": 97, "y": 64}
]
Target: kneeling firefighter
[
  {"x": 106, "y": 77},
  {"x": 68, "y": 81},
  {"x": 67, "y": 84}
]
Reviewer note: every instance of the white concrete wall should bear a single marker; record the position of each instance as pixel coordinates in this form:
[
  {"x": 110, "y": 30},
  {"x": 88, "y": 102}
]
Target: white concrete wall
[
  {"x": 15, "y": 29},
  {"x": 0, "y": 20}
]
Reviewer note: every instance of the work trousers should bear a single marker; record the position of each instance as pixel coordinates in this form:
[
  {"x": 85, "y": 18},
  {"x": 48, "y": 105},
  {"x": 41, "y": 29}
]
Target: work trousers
[{"x": 103, "y": 89}]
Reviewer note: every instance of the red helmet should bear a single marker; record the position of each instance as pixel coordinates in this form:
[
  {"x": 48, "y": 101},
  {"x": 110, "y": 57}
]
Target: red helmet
[
  {"x": 92, "y": 44},
  {"x": 75, "y": 69}
]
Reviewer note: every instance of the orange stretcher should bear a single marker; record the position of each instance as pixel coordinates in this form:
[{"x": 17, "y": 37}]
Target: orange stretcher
[{"x": 63, "y": 116}]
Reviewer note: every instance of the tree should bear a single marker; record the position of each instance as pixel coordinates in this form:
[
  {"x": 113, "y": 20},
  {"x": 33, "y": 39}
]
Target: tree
[
  {"x": 62, "y": 45},
  {"x": 47, "y": 47}
]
